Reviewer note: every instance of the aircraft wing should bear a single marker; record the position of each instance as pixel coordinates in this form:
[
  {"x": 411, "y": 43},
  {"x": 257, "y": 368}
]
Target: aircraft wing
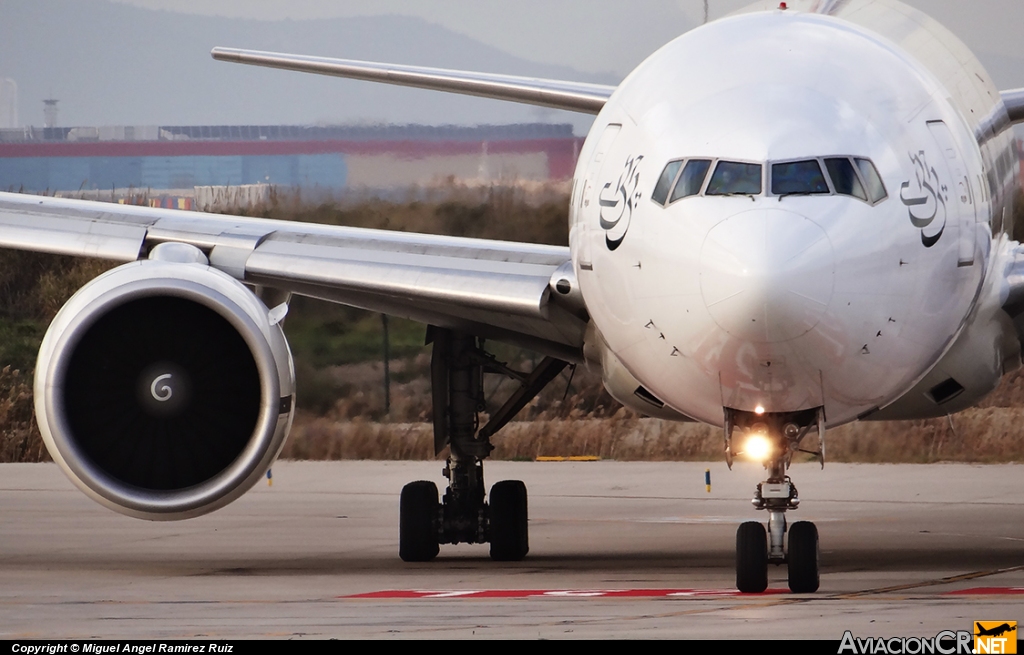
[
  {"x": 494, "y": 289},
  {"x": 572, "y": 96},
  {"x": 1014, "y": 101}
]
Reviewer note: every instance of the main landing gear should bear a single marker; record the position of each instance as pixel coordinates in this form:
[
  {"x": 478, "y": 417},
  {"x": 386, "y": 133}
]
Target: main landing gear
[
  {"x": 774, "y": 439},
  {"x": 464, "y": 515}
]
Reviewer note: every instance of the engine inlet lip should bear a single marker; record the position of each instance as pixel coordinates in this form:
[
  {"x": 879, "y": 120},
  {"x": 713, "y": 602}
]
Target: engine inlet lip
[{"x": 127, "y": 498}]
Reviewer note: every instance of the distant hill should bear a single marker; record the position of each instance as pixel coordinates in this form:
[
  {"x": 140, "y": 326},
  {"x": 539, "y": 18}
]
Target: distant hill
[{"x": 117, "y": 64}]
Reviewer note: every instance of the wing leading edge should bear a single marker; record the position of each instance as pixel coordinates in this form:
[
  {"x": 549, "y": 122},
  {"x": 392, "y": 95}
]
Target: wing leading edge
[
  {"x": 495, "y": 289},
  {"x": 1014, "y": 101},
  {"x": 571, "y": 96}
]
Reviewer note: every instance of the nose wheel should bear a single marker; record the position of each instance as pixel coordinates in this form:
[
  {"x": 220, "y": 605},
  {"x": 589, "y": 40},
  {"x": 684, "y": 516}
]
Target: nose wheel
[
  {"x": 757, "y": 547},
  {"x": 752, "y": 558},
  {"x": 803, "y": 558}
]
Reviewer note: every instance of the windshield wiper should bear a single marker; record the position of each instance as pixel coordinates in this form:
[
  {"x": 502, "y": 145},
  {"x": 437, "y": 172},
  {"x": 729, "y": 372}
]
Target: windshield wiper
[
  {"x": 738, "y": 193},
  {"x": 795, "y": 193}
]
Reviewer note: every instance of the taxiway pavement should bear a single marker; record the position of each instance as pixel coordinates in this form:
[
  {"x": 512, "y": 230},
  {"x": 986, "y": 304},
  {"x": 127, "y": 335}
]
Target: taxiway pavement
[{"x": 617, "y": 549}]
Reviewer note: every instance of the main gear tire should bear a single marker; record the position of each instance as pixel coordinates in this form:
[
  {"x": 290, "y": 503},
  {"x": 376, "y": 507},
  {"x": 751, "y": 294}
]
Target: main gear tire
[
  {"x": 418, "y": 516},
  {"x": 509, "y": 530}
]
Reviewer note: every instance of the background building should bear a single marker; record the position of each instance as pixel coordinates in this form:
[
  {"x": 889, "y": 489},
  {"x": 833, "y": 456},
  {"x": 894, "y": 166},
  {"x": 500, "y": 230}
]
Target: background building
[{"x": 376, "y": 159}]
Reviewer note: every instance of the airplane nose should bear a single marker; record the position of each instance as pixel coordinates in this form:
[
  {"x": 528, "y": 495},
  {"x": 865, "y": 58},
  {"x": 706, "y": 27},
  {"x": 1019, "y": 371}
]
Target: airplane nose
[{"x": 767, "y": 275}]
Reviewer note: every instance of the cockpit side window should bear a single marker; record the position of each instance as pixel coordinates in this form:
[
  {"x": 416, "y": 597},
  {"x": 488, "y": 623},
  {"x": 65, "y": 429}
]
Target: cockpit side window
[
  {"x": 692, "y": 179},
  {"x": 668, "y": 176},
  {"x": 873, "y": 181},
  {"x": 844, "y": 177},
  {"x": 735, "y": 177},
  {"x": 798, "y": 177}
]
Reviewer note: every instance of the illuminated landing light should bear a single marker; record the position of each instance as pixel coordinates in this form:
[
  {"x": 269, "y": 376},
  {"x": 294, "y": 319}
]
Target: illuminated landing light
[
  {"x": 758, "y": 447},
  {"x": 759, "y": 410}
]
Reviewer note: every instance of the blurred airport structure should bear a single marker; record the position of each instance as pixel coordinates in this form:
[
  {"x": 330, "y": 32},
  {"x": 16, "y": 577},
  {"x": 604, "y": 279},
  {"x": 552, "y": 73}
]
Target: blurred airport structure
[
  {"x": 8, "y": 103},
  {"x": 220, "y": 166},
  {"x": 335, "y": 160}
]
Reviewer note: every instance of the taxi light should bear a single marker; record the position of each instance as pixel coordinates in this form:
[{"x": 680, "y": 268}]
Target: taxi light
[
  {"x": 759, "y": 410},
  {"x": 758, "y": 447}
]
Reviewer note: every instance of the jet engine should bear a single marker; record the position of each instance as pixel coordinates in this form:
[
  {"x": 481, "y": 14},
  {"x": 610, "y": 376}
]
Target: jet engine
[{"x": 165, "y": 389}]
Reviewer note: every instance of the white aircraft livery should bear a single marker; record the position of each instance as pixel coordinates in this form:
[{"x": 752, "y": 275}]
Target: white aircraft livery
[{"x": 786, "y": 220}]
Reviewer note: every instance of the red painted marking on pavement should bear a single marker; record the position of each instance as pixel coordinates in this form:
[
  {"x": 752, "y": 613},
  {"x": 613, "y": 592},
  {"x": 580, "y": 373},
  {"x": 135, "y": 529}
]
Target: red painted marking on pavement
[
  {"x": 987, "y": 591},
  {"x": 557, "y": 593}
]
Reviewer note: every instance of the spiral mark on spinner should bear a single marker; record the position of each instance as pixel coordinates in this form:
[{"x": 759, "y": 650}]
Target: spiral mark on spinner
[{"x": 164, "y": 392}]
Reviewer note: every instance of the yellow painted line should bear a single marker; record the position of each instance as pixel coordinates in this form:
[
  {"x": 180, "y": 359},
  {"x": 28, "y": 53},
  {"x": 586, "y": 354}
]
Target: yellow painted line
[{"x": 573, "y": 458}]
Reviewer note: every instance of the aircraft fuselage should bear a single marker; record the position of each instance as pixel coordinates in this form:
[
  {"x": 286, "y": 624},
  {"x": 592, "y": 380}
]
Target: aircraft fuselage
[{"x": 785, "y": 211}]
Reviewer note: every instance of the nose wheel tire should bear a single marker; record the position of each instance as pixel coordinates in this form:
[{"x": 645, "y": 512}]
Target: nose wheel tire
[
  {"x": 417, "y": 533},
  {"x": 751, "y": 558},
  {"x": 508, "y": 529},
  {"x": 803, "y": 557}
]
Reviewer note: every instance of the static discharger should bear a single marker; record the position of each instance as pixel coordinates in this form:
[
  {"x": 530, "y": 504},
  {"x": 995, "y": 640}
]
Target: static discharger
[{"x": 707, "y": 479}]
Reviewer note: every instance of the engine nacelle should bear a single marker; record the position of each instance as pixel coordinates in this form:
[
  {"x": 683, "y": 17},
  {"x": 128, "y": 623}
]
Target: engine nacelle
[{"x": 164, "y": 390}]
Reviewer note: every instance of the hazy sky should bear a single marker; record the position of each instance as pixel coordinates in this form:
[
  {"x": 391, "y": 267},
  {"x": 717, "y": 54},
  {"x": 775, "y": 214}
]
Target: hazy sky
[
  {"x": 146, "y": 62},
  {"x": 595, "y": 35}
]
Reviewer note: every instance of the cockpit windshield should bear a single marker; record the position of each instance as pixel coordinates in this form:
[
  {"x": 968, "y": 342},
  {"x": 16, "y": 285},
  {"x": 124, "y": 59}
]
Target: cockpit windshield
[
  {"x": 692, "y": 179},
  {"x": 735, "y": 177},
  {"x": 845, "y": 178},
  {"x": 835, "y": 175},
  {"x": 798, "y": 177}
]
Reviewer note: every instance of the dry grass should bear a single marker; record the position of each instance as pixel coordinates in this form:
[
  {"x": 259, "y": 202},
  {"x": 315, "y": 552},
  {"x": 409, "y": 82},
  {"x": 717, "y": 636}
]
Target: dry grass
[
  {"x": 982, "y": 434},
  {"x": 622, "y": 437},
  {"x": 19, "y": 435},
  {"x": 319, "y": 438},
  {"x": 580, "y": 419},
  {"x": 976, "y": 435},
  {"x": 508, "y": 211}
]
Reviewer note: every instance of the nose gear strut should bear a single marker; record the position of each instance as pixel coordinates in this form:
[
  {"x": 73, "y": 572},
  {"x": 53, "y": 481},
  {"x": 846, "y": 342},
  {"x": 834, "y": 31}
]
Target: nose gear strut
[{"x": 755, "y": 548}]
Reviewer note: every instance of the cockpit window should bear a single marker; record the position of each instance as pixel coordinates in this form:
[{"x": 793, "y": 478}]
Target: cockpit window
[
  {"x": 849, "y": 176},
  {"x": 692, "y": 179},
  {"x": 876, "y": 190},
  {"x": 735, "y": 177},
  {"x": 844, "y": 178},
  {"x": 660, "y": 193},
  {"x": 800, "y": 177}
]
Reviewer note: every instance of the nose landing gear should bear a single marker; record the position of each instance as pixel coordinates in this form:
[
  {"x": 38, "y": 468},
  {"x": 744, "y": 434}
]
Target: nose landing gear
[{"x": 777, "y": 438}]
